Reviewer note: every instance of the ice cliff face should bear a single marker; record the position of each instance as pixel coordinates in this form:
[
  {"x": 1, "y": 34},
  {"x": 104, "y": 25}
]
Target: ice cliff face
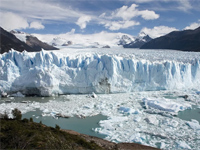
[{"x": 46, "y": 73}]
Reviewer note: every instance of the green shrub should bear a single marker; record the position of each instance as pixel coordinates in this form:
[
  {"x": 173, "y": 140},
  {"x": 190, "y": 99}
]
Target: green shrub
[
  {"x": 17, "y": 114},
  {"x": 31, "y": 119},
  {"x": 5, "y": 115},
  {"x": 25, "y": 120},
  {"x": 57, "y": 127}
]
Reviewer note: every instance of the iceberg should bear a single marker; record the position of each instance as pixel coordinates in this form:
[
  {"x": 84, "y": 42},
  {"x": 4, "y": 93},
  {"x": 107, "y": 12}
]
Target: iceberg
[
  {"x": 49, "y": 73},
  {"x": 194, "y": 124},
  {"x": 165, "y": 105}
]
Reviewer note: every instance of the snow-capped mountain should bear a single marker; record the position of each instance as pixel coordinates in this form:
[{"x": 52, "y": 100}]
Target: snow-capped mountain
[
  {"x": 32, "y": 41},
  {"x": 125, "y": 39},
  {"x": 58, "y": 41},
  {"x": 97, "y": 40},
  {"x": 139, "y": 41}
]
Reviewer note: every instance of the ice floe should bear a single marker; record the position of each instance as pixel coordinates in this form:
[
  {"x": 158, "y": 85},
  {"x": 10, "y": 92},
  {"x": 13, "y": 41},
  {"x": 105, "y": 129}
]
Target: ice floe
[
  {"x": 128, "y": 120},
  {"x": 165, "y": 105},
  {"x": 194, "y": 124}
]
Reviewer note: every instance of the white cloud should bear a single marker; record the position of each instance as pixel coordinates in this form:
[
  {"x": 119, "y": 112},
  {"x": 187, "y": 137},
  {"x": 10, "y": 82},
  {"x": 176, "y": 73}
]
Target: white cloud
[
  {"x": 11, "y": 21},
  {"x": 148, "y": 15},
  {"x": 46, "y": 10},
  {"x": 36, "y": 25},
  {"x": 158, "y": 31},
  {"x": 184, "y": 5},
  {"x": 193, "y": 25},
  {"x": 116, "y": 25},
  {"x": 127, "y": 13},
  {"x": 82, "y": 21},
  {"x": 124, "y": 16}
]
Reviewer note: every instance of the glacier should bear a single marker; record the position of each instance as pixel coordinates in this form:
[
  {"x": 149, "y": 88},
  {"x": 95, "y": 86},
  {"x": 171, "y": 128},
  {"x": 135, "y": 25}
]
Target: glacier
[{"x": 51, "y": 73}]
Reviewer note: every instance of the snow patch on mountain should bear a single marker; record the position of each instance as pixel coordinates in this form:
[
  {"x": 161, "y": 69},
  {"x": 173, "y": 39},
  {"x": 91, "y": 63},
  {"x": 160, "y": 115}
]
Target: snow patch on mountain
[
  {"x": 20, "y": 35},
  {"x": 97, "y": 40}
]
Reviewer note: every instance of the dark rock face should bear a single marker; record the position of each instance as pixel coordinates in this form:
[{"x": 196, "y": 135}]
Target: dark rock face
[
  {"x": 8, "y": 41},
  {"x": 187, "y": 40},
  {"x": 106, "y": 46},
  {"x": 37, "y": 45},
  {"x": 68, "y": 43}
]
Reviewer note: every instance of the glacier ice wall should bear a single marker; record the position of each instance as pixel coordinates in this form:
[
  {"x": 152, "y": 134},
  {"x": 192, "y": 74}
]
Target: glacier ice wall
[{"x": 46, "y": 73}]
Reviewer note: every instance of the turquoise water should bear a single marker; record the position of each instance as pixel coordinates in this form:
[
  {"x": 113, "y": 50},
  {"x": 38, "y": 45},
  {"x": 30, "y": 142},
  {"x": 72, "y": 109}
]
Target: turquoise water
[
  {"x": 189, "y": 114},
  {"x": 83, "y": 126}
]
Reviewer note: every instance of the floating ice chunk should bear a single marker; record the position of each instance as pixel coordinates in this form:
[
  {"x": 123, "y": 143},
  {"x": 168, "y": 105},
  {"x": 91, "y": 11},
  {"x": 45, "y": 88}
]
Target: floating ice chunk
[
  {"x": 137, "y": 119},
  {"x": 182, "y": 145},
  {"x": 127, "y": 110},
  {"x": 198, "y": 92},
  {"x": 194, "y": 124},
  {"x": 137, "y": 138},
  {"x": 108, "y": 126},
  {"x": 171, "y": 123},
  {"x": 124, "y": 109},
  {"x": 46, "y": 111},
  {"x": 4, "y": 94},
  {"x": 136, "y": 112},
  {"x": 165, "y": 105},
  {"x": 93, "y": 95},
  {"x": 151, "y": 119},
  {"x": 162, "y": 145},
  {"x": 18, "y": 94}
]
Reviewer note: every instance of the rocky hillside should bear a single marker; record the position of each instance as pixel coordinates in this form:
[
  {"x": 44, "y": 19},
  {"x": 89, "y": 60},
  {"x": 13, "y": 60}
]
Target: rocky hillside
[
  {"x": 33, "y": 41},
  {"x": 8, "y": 41},
  {"x": 187, "y": 40},
  {"x": 37, "y": 44},
  {"x": 31, "y": 44}
]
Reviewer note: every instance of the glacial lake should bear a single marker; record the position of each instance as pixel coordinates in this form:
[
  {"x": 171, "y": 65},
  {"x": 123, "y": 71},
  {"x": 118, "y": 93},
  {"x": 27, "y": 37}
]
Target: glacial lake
[
  {"x": 80, "y": 125},
  {"x": 189, "y": 114}
]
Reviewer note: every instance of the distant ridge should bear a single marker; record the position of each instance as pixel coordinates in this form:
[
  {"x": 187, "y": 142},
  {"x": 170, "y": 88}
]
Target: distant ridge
[
  {"x": 187, "y": 40},
  {"x": 9, "y": 41}
]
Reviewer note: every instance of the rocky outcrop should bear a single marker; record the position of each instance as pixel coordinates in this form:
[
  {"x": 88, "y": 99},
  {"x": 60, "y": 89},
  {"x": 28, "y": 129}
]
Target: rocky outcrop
[{"x": 9, "y": 41}]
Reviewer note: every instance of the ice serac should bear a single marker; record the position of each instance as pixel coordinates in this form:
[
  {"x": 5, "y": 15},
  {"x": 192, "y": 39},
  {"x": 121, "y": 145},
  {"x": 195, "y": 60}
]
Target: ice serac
[{"x": 47, "y": 73}]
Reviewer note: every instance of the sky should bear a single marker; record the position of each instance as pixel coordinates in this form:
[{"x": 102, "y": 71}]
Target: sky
[{"x": 154, "y": 17}]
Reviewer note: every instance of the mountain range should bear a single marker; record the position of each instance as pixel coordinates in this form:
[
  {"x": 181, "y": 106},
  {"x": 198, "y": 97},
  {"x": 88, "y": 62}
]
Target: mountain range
[
  {"x": 139, "y": 41},
  {"x": 96, "y": 40},
  {"x": 187, "y": 40}
]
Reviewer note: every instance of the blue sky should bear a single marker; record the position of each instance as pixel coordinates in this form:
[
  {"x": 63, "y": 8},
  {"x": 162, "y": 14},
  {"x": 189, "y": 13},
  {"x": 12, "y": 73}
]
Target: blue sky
[{"x": 154, "y": 17}]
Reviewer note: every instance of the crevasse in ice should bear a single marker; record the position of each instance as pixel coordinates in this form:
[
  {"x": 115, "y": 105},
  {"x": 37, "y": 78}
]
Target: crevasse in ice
[{"x": 47, "y": 73}]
